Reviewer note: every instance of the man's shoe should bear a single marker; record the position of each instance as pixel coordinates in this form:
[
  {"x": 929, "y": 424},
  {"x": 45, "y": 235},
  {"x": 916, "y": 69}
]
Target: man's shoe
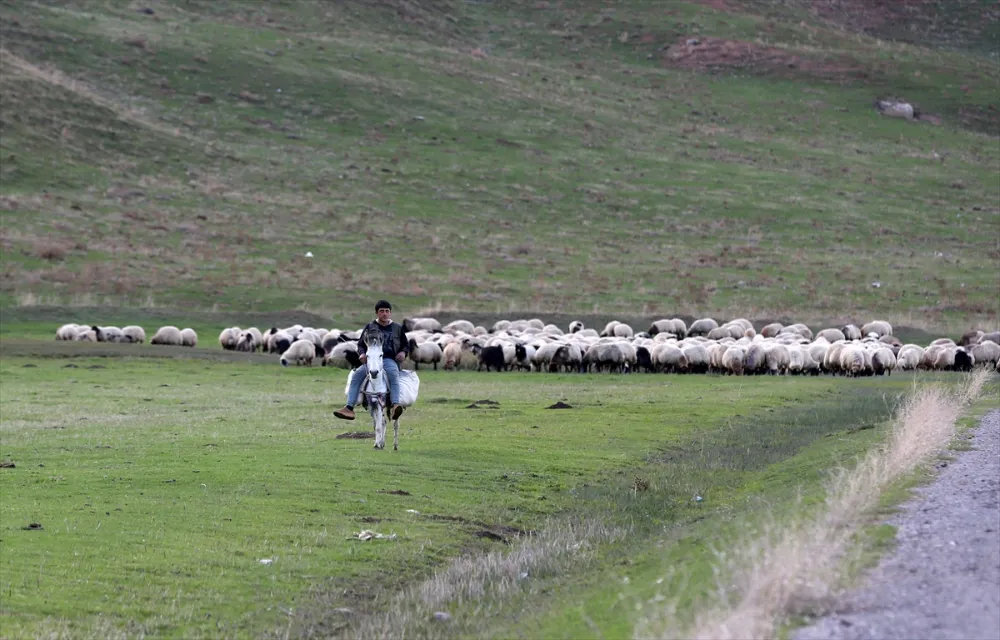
[
  {"x": 397, "y": 410},
  {"x": 344, "y": 414}
]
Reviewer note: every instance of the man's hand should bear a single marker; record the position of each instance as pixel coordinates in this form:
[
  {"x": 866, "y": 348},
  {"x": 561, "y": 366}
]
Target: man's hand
[
  {"x": 363, "y": 358},
  {"x": 400, "y": 357}
]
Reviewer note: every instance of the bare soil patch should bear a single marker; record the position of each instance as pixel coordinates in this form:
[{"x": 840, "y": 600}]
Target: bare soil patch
[
  {"x": 698, "y": 53},
  {"x": 355, "y": 435}
]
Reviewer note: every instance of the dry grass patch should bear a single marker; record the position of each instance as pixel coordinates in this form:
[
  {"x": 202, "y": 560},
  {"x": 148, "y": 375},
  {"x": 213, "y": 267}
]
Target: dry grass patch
[
  {"x": 473, "y": 587},
  {"x": 798, "y": 569}
]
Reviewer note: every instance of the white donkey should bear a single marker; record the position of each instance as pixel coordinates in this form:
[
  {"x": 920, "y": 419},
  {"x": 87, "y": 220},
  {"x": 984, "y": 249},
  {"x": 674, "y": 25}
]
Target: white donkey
[{"x": 376, "y": 390}]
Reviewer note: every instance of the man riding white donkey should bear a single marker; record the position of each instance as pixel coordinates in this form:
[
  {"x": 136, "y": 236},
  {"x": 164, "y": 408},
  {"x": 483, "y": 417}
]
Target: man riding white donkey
[{"x": 394, "y": 350}]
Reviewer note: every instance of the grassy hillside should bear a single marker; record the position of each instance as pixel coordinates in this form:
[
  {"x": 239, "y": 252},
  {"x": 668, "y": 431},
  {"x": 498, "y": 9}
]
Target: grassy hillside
[{"x": 580, "y": 157}]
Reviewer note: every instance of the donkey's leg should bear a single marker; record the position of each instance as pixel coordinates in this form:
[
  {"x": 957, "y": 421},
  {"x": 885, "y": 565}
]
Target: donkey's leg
[
  {"x": 395, "y": 435},
  {"x": 378, "y": 416}
]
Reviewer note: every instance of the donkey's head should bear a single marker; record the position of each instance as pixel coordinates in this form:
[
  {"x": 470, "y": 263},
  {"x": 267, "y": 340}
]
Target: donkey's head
[{"x": 373, "y": 340}]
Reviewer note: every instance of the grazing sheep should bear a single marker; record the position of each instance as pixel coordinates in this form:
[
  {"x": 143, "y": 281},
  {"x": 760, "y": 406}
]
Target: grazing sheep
[
  {"x": 777, "y": 359},
  {"x": 831, "y": 335},
  {"x": 883, "y": 361},
  {"x": 523, "y": 355},
  {"x": 852, "y": 360},
  {"x": 168, "y": 335},
  {"x": 66, "y": 332},
  {"x": 993, "y": 336},
  {"x": 670, "y": 359},
  {"x": 772, "y": 330},
  {"x": 717, "y": 333},
  {"x": 343, "y": 355},
  {"x": 673, "y": 326},
  {"x": 817, "y": 351},
  {"x": 575, "y": 326},
  {"x": 568, "y": 357},
  {"x": 878, "y": 327},
  {"x": 229, "y": 338},
  {"x": 697, "y": 358},
  {"x": 250, "y": 340},
  {"x": 891, "y": 341},
  {"x": 189, "y": 338},
  {"x": 424, "y": 353},
  {"x": 500, "y": 325},
  {"x": 755, "y": 360},
  {"x": 421, "y": 324},
  {"x": 798, "y": 329},
  {"x": 964, "y": 361},
  {"x": 490, "y": 357},
  {"x": 970, "y": 338},
  {"x": 108, "y": 334},
  {"x": 459, "y": 326},
  {"x": 277, "y": 341},
  {"x": 851, "y": 332},
  {"x": 732, "y": 360},
  {"x": 301, "y": 352},
  {"x": 986, "y": 353},
  {"x": 84, "y": 334},
  {"x": 909, "y": 357},
  {"x": 134, "y": 334},
  {"x": 452, "y": 355},
  {"x": 643, "y": 359},
  {"x": 702, "y": 327}
]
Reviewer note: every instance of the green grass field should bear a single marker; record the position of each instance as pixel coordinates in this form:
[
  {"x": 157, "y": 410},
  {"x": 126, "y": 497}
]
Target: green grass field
[{"x": 159, "y": 486}]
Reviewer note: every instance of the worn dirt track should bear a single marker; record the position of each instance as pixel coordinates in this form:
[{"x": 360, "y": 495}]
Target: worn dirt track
[{"x": 943, "y": 579}]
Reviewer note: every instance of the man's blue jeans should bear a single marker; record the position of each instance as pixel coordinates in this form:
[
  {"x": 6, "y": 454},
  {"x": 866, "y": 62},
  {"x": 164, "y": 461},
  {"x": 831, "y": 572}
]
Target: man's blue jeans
[{"x": 391, "y": 372}]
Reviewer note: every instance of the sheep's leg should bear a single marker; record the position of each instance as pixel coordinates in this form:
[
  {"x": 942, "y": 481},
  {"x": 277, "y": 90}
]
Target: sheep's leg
[
  {"x": 395, "y": 435},
  {"x": 435, "y": 366}
]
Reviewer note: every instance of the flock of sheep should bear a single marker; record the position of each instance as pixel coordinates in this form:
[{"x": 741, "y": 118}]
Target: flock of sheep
[{"x": 668, "y": 345}]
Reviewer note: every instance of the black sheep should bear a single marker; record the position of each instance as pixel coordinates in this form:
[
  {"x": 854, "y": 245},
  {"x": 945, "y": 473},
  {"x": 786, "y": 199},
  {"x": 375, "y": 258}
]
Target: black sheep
[{"x": 490, "y": 357}]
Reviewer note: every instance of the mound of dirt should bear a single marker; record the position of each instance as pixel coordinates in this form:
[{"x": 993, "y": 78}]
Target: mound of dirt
[
  {"x": 559, "y": 405},
  {"x": 356, "y": 435},
  {"x": 719, "y": 54}
]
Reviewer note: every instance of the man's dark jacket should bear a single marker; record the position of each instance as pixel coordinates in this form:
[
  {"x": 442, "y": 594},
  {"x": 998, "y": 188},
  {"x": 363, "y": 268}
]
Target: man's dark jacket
[{"x": 393, "y": 339}]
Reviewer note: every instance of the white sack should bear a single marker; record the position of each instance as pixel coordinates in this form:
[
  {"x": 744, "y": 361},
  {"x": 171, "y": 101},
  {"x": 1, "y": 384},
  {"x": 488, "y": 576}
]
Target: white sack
[{"x": 409, "y": 385}]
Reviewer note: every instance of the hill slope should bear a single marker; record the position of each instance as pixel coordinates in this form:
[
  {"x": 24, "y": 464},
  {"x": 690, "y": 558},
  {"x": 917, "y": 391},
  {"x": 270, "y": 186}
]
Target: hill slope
[{"x": 495, "y": 157}]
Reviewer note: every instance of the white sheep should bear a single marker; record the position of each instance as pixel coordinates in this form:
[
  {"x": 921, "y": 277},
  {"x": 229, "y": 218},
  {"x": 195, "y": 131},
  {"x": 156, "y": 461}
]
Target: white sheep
[
  {"x": 987, "y": 353},
  {"x": 883, "y": 361},
  {"x": 301, "y": 352},
  {"x": 831, "y": 335},
  {"x": 909, "y": 357},
  {"x": 702, "y": 327},
  {"x": 777, "y": 359},
  {"x": 189, "y": 338},
  {"x": 168, "y": 335},
  {"x": 575, "y": 326},
  {"x": 67, "y": 331},
  {"x": 772, "y": 330},
  {"x": 424, "y": 353},
  {"x": 452, "y": 355},
  {"x": 459, "y": 326},
  {"x": 229, "y": 338},
  {"x": 732, "y": 360},
  {"x": 134, "y": 334},
  {"x": 851, "y": 332},
  {"x": 85, "y": 334},
  {"x": 425, "y": 324},
  {"x": 697, "y": 358},
  {"x": 878, "y": 327},
  {"x": 108, "y": 334},
  {"x": 343, "y": 355}
]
